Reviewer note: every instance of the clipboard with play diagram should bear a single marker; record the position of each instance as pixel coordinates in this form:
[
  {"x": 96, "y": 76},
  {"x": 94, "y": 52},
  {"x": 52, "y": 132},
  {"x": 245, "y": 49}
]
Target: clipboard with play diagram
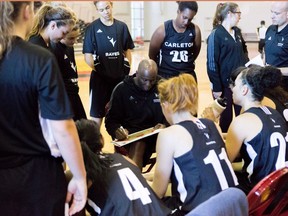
[{"x": 136, "y": 136}]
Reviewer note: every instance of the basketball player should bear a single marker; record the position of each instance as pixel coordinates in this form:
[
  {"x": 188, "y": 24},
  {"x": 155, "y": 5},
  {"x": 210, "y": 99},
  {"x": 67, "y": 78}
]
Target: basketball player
[
  {"x": 258, "y": 135},
  {"x": 190, "y": 153},
  {"x": 107, "y": 43},
  {"x": 64, "y": 52},
  {"x": 175, "y": 45},
  {"x": 51, "y": 24},
  {"x": 116, "y": 186}
]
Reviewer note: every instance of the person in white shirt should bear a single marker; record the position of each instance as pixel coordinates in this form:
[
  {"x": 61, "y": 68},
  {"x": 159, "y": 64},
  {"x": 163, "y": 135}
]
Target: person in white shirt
[{"x": 261, "y": 32}]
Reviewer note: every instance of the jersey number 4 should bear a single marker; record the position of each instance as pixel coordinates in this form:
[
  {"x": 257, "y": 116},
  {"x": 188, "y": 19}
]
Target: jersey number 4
[{"x": 129, "y": 180}]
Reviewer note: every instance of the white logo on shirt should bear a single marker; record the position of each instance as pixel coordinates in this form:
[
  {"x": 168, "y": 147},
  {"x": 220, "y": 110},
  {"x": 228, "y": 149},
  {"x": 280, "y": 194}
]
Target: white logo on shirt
[
  {"x": 111, "y": 40},
  {"x": 65, "y": 56},
  {"x": 99, "y": 31},
  {"x": 191, "y": 34},
  {"x": 269, "y": 38},
  {"x": 73, "y": 66}
]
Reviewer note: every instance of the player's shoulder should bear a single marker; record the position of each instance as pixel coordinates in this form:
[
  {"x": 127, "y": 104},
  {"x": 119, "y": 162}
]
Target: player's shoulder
[
  {"x": 120, "y": 23},
  {"x": 32, "y": 50}
]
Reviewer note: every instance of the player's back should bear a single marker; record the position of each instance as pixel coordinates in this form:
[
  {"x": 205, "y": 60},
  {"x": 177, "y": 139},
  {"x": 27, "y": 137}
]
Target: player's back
[{"x": 122, "y": 190}]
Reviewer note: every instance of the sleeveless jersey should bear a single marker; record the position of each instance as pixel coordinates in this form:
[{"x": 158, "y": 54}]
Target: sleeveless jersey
[
  {"x": 203, "y": 171},
  {"x": 176, "y": 53},
  {"x": 123, "y": 191},
  {"x": 279, "y": 106},
  {"x": 267, "y": 151}
]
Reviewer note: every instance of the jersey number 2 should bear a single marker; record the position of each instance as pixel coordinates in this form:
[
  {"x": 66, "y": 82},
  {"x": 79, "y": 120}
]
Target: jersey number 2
[
  {"x": 179, "y": 56},
  {"x": 129, "y": 180}
]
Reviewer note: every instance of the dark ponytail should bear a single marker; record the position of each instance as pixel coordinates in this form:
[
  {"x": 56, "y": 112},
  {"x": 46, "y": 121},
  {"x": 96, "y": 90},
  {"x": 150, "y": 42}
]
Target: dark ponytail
[{"x": 262, "y": 78}]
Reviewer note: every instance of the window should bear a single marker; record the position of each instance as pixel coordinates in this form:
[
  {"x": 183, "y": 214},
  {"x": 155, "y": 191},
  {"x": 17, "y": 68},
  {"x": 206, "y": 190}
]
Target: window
[{"x": 137, "y": 20}]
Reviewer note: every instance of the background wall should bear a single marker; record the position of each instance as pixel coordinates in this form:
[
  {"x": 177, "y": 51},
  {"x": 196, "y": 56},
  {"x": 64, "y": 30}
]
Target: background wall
[{"x": 156, "y": 12}]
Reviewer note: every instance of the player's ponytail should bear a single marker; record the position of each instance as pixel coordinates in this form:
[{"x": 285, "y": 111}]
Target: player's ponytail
[
  {"x": 260, "y": 79},
  {"x": 222, "y": 10},
  {"x": 61, "y": 15}
]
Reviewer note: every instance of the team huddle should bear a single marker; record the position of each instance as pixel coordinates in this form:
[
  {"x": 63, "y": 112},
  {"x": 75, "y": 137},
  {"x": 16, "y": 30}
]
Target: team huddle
[{"x": 44, "y": 127}]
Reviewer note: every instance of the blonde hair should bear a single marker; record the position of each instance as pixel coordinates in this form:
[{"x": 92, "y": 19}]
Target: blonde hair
[
  {"x": 61, "y": 15},
  {"x": 9, "y": 11},
  {"x": 181, "y": 92}
]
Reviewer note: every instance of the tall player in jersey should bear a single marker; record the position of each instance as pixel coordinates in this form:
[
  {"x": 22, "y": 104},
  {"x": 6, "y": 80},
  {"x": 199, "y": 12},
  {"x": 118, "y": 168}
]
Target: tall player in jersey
[
  {"x": 191, "y": 151},
  {"x": 259, "y": 134},
  {"x": 116, "y": 186},
  {"x": 175, "y": 45},
  {"x": 106, "y": 44}
]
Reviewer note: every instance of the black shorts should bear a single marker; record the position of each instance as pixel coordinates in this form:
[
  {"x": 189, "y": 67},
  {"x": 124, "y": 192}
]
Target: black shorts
[
  {"x": 77, "y": 106},
  {"x": 100, "y": 89},
  {"x": 35, "y": 188}
]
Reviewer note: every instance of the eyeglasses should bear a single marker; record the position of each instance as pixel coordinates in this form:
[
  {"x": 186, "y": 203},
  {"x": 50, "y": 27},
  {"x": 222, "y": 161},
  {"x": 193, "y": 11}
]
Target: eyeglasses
[{"x": 237, "y": 12}]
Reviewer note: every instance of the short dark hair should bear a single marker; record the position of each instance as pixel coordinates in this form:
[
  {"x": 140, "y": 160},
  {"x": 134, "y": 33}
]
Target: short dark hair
[
  {"x": 192, "y": 5},
  {"x": 262, "y": 22}
]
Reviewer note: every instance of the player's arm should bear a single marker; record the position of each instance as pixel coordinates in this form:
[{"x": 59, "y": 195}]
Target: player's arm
[
  {"x": 235, "y": 137},
  {"x": 128, "y": 55},
  {"x": 67, "y": 139},
  {"x": 156, "y": 42},
  {"x": 88, "y": 57},
  {"x": 164, "y": 164},
  {"x": 197, "y": 42}
]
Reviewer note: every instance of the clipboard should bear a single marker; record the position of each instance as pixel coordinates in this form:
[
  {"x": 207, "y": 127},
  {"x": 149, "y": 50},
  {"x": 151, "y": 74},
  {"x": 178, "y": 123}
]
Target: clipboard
[{"x": 136, "y": 136}]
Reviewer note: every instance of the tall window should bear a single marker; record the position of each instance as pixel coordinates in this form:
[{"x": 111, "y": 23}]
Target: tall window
[{"x": 137, "y": 18}]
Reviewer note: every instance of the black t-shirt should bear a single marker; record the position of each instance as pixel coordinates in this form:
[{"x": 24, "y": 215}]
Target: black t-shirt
[
  {"x": 38, "y": 40},
  {"x": 109, "y": 44},
  {"x": 29, "y": 80},
  {"x": 67, "y": 64}
]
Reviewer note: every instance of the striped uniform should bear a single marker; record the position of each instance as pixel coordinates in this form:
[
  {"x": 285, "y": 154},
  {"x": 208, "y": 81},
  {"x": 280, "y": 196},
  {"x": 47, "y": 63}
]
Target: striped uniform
[
  {"x": 203, "y": 171},
  {"x": 176, "y": 53},
  {"x": 267, "y": 151},
  {"x": 123, "y": 191}
]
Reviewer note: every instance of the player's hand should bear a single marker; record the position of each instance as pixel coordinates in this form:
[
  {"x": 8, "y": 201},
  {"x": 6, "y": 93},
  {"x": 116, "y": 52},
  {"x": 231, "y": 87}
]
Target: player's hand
[
  {"x": 209, "y": 114},
  {"x": 121, "y": 133},
  {"x": 77, "y": 193},
  {"x": 159, "y": 126},
  {"x": 216, "y": 94}
]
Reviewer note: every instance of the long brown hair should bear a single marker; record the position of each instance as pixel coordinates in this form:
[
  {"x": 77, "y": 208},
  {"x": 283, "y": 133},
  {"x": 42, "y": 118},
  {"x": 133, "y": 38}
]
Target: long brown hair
[
  {"x": 61, "y": 15},
  {"x": 221, "y": 12},
  {"x": 9, "y": 11}
]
